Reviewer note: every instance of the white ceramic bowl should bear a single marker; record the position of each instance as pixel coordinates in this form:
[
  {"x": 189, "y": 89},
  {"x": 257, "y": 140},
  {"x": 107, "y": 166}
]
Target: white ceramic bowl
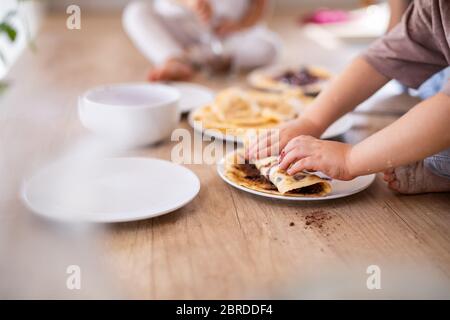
[{"x": 133, "y": 114}]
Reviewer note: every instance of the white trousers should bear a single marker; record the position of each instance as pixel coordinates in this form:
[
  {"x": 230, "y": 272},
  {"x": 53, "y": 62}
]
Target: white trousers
[{"x": 159, "y": 38}]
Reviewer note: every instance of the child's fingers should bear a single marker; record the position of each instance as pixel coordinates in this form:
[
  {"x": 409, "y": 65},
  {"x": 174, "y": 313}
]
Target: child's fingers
[
  {"x": 266, "y": 143},
  {"x": 263, "y": 153},
  {"x": 291, "y": 157},
  {"x": 253, "y": 149},
  {"x": 225, "y": 29},
  {"x": 260, "y": 146},
  {"x": 297, "y": 150},
  {"x": 300, "y": 141},
  {"x": 290, "y": 145},
  {"x": 300, "y": 165},
  {"x": 395, "y": 185},
  {"x": 251, "y": 152},
  {"x": 155, "y": 75},
  {"x": 388, "y": 177},
  {"x": 274, "y": 148},
  {"x": 272, "y": 143},
  {"x": 203, "y": 10},
  {"x": 250, "y": 140},
  {"x": 204, "y": 15}
]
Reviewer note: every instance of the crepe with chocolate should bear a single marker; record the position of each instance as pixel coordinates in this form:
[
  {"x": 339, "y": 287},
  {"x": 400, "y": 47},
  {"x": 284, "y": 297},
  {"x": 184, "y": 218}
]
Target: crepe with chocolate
[
  {"x": 265, "y": 175},
  {"x": 309, "y": 80}
]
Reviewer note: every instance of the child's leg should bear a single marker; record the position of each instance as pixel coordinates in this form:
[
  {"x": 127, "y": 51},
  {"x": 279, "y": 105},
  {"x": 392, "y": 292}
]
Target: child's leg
[
  {"x": 254, "y": 48},
  {"x": 429, "y": 175},
  {"x": 153, "y": 39}
]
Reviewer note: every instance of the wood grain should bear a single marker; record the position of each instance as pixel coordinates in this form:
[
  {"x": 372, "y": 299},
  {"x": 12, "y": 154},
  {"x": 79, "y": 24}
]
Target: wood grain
[{"x": 224, "y": 244}]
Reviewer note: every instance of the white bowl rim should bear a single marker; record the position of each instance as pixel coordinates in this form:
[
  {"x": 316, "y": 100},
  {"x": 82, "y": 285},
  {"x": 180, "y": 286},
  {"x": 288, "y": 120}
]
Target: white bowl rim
[{"x": 83, "y": 99}]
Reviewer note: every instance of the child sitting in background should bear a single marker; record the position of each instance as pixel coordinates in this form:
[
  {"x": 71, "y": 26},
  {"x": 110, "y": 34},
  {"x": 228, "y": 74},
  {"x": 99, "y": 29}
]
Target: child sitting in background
[
  {"x": 166, "y": 30},
  {"x": 413, "y": 151}
]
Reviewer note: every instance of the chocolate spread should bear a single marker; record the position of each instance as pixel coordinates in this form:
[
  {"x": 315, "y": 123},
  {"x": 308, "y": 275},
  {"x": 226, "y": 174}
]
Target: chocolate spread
[{"x": 301, "y": 77}]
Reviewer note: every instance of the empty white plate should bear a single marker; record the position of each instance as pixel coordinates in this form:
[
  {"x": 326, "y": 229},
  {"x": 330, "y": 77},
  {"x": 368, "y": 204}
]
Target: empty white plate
[
  {"x": 192, "y": 95},
  {"x": 340, "y": 189},
  {"x": 340, "y": 126},
  {"x": 110, "y": 190}
]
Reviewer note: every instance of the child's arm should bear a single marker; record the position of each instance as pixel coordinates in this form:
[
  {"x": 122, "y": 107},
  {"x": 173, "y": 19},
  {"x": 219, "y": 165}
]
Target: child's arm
[
  {"x": 397, "y": 9},
  {"x": 358, "y": 82},
  {"x": 423, "y": 131}
]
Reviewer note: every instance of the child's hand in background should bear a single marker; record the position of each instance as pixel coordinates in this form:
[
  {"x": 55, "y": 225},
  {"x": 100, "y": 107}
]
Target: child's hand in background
[
  {"x": 254, "y": 14},
  {"x": 309, "y": 153},
  {"x": 227, "y": 27},
  {"x": 202, "y": 8}
]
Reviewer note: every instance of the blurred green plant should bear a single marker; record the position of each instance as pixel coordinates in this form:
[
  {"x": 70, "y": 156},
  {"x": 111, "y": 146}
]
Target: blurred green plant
[
  {"x": 3, "y": 87},
  {"x": 8, "y": 29}
]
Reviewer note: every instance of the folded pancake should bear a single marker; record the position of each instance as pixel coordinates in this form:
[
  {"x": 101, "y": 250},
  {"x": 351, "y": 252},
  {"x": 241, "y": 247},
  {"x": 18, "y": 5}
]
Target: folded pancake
[
  {"x": 265, "y": 175},
  {"x": 234, "y": 111}
]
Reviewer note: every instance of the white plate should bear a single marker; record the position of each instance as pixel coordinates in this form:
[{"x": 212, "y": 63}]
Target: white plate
[
  {"x": 217, "y": 134},
  {"x": 192, "y": 95},
  {"x": 338, "y": 128},
  {"x": 110, "y": 190},
  {"x": 340, "y": 189}
]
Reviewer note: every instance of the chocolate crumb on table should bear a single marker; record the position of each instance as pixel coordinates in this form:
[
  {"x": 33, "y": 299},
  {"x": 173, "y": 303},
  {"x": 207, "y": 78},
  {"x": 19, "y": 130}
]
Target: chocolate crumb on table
[{"x": 318, "y": 220}]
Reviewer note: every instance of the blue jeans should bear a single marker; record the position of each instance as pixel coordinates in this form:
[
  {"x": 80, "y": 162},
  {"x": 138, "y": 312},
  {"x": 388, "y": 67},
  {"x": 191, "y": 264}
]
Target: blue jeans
[
  {"x": 434, "y": 84},
  {"x": 439, "y": 163}
]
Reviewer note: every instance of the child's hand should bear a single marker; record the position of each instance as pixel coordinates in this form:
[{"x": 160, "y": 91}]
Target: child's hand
[
  {"x": 227, "y": 27},
  {"x": 271, "y": 141},
  {"x": 202, "y": 8},
  {"x": 309, "y": 153}
]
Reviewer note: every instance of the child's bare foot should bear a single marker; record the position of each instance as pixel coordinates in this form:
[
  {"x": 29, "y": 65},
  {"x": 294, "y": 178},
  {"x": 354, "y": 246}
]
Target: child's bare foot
[
  {"x": 415, "y": 178},
  {"x": 172, "y": 69}
]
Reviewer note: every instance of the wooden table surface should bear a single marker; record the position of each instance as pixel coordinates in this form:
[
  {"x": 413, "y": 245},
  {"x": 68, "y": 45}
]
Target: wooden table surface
[{"x": 225, "y": 243}]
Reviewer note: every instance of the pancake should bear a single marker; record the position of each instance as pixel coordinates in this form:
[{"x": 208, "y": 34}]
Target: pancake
[
  {"x": 309, "y": 80},
  {"x": 235, "y": 110},
  {"x": 265, "y": 176}
]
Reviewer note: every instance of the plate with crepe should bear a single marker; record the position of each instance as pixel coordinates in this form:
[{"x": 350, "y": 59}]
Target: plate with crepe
[
  {"x": 265, "y": 178},
  {"x": 234, "y": 112},
  {"x": 309, "y": 80}
]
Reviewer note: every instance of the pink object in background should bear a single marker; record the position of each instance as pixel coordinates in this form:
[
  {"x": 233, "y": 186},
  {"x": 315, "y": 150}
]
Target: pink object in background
[{"x": 324, "y": 16}]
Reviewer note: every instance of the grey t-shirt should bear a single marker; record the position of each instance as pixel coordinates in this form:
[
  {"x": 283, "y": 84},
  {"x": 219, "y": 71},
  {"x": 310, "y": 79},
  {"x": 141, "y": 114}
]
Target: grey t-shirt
[{"x": 418, "y": 47}]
